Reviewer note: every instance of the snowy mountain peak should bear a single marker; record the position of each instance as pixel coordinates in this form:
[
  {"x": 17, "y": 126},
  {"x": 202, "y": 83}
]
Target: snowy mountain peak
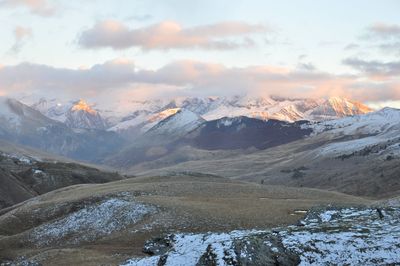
[
  {"x": 181, "y": 122},
  {"x": 389, "y": 111},
  {"x": 82, "y": 105},
  {"x": 347, "y": 107},
  {"x": 163, "y": 114},
  {"x": 336, "y": 107},
  {"x": 13, "y": 112},
  {"x": 81, "y": 115},
  {"x": 75, "y": 114}
]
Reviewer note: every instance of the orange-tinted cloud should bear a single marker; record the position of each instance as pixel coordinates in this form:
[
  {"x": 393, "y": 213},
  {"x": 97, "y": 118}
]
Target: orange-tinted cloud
[
  {"x": 168, "y": 35},
  {"x": 20, "y": 34},
  {"x": 119, "y": 78},
  {"x": 37, "y": 7}
]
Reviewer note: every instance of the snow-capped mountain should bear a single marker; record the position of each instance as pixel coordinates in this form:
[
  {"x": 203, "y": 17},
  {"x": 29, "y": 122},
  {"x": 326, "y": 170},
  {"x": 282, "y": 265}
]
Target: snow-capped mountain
[
  {"x": 24, "y": 125},
  {"x": 142, "y": 121},
  {"x": 289, "y": 110},
  {"x": 144, "y": 115},
  {"x": 82, "y": 115},
  {"x": 264, "y": 108},
  {"x": 178, "y": 124},
  {"x": 336, "y": 107},
  {"x": 52, "y": 108},
  {"x": 372, "y": 123},
  {"x": 376, "y": 132},
  {"x": 75, "y": 114},
  {"x": 15, "y": 116}
]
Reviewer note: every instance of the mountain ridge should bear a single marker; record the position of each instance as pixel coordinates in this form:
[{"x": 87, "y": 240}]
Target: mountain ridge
[{"x": 211, "y": 108}]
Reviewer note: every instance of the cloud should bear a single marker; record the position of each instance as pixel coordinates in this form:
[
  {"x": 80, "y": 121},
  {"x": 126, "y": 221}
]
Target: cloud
[
  {"x": 386, "y": 37},
  {"x": 20, "y": 34},
  {"x": 120, "y": 79},
  {"x": 351, "y": 46},
  {"x": 384, "y": 30},
  {"x": 168, "y": 35},
  {"x": 216, "y": 79},
  {"x": 375, "y": 68},
  {"x": 42, "y": 79},
  {"x": 37, "y": 7}
]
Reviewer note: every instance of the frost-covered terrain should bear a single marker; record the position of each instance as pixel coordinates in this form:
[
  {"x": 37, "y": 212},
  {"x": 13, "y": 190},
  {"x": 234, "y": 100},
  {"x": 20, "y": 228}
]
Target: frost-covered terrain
[
  {"x": 372, "y": 123},
  {"x": 92, "y": 221},
  {"x": 347, "y": 236},
  {"x": 344, "y": 236},
  {"x": 374, "y": 132}
]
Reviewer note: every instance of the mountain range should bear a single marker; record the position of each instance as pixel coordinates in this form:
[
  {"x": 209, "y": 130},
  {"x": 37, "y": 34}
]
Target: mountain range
[
  {"x": 80, "y": 130},
  {"x": 144, "y": 114},
  {"x": 187, "y": 134}
]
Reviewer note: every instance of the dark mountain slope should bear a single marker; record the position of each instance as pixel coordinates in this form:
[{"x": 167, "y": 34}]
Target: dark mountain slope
[
  {"x": 244, "y": 132},
  {"x": 23, "y": 177}
]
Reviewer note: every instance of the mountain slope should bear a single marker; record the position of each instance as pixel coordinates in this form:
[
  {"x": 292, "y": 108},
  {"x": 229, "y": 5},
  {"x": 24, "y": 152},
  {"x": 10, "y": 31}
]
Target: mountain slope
[
  {"x": 244, "y": 132},
  {"x": 166, "y": 129},
  {"x": 24, "y": 175},
  {"x": 166, "y": 139},
  {"x": 177, "y": 125}
]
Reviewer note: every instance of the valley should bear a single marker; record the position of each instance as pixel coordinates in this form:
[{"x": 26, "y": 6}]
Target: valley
[{"x": 225, "y": 177}]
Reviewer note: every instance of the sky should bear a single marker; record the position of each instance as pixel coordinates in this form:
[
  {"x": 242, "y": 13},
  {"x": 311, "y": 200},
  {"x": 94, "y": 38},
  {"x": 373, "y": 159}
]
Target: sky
[{"x": 112, "y": 51}]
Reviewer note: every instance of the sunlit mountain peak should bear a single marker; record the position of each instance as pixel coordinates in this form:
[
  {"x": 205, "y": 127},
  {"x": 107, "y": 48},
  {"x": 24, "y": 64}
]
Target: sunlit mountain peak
[{"x": 82, "y": 105}]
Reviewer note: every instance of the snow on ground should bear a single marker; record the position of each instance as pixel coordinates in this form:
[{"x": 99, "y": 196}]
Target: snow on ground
[
  {"x": 21, "y": 158},
  {"x": 188, "y": 248},
  {"x": 371, "y": 123},
  {"x": 181, "y": 122},
  {"x": 352, "y": 237},
  {"x": 92, "y": 222},
  {"x": 131, "y": 123},
  {"x": 379, "y": 128},
  {"x": 347, "y": 236},
  {"x": 341, "y": 147}
]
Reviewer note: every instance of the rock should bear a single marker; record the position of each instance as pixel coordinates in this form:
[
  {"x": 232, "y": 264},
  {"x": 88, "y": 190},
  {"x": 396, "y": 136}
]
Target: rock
[{"x": 159, "y": 245}]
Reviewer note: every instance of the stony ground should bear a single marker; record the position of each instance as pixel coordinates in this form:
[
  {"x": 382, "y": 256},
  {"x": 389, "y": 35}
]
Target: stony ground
[{"x": 345, "y": 236}]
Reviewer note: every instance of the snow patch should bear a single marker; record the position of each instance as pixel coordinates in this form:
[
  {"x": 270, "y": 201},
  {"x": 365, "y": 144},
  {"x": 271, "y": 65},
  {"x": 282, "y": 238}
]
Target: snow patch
[
  {"x": 348, "y": 236},
  {"x": 188, "y": 248},
  {"x": 91, "y": 222}
]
